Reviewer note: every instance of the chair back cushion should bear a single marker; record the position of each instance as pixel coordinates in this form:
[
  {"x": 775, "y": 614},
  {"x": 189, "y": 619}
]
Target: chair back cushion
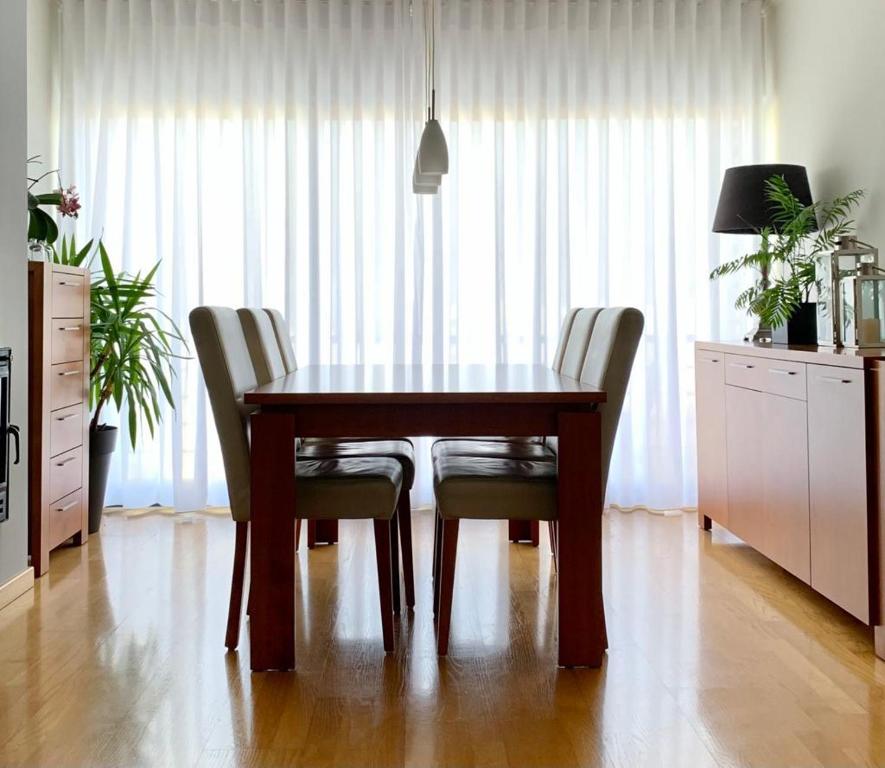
[
  {"x": 578, "y": 341},
  {"x": 563, "y": 339},
  {"x": 284, "y": 339},
  {"x": 607, "y": 365},
  {"x": 267, "y": 360},
  {"x": 228, "y": 373}
]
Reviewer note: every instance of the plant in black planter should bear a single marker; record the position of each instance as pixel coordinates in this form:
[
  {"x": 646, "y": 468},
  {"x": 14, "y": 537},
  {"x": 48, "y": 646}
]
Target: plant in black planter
[
  {"x": 131, "y": 360},
  {"x": 785, "y": 283}
]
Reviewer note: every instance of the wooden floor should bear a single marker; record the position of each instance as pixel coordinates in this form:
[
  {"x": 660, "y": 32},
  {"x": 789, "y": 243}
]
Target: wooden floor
[{"x": 717, "y": 657}]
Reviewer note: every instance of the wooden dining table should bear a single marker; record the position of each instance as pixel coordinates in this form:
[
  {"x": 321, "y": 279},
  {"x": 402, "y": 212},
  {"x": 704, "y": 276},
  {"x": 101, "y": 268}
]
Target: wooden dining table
[{"x": 415, "y": 400}]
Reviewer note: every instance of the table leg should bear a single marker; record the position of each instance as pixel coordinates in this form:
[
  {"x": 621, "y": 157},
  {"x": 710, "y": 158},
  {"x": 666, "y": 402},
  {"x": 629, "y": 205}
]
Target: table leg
[
  {"x": 272, "y": 621},
  {"x": 582, "y": 637},
  {"x": 524, "y": 530},
  {"x": 326, "y": 531}
]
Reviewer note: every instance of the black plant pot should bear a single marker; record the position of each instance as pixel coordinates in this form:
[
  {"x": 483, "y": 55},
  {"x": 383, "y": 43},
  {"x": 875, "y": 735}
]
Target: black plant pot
[
  {"x": 102, "y": 442},
  {"x": 801, "y": 328}
]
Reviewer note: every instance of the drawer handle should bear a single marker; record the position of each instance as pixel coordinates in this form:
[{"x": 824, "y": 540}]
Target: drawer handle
[
  {"x": 835, "y": 380},
  {"x": 71, "y": 328},
  {"x": 69, "y": 373},
  {"x": 67, "y": 506},
  {"x": 710, "y": 359},
  {"x": 742, "y": 365},
  {"x": 65, "y": 418},
  {"x": 66, "y": 284},
  {"x": 781, "y": 372},
  {"x": 66, "y": 461}
]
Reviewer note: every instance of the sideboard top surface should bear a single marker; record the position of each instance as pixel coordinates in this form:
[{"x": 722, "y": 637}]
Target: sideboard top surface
[{"x": 839, "y": 356}]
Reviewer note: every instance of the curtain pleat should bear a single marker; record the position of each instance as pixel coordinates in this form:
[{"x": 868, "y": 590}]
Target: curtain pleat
[{"x": 263, "y": 152}]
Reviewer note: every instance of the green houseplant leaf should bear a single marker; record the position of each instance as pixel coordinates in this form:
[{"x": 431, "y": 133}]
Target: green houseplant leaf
[
  {"x": 133, "y": 344},
  {"x": 784, "y": 264}
]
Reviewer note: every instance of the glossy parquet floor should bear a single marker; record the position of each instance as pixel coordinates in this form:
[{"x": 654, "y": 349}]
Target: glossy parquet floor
[{"x": 717, "y": 658}]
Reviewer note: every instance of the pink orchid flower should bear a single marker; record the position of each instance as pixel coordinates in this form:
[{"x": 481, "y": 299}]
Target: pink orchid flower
[{"x": 70, "y": 202}]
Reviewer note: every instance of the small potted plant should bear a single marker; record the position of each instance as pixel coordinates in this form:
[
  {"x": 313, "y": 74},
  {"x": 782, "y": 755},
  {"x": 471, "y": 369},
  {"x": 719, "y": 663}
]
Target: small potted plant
[
  {"x": 42, "y": 229},
  {"x": 131, "y": 360},
  {"x": 782, "y": 292}
]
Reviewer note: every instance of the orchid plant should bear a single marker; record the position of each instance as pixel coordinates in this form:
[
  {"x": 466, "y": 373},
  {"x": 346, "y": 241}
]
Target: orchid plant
[{"x": 41, "y": 224}]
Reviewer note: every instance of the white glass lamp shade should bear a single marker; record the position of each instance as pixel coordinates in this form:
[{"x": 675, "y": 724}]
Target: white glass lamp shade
[
  {"x": 433, "y": 152},
  {"x": 425, "y": 183}
]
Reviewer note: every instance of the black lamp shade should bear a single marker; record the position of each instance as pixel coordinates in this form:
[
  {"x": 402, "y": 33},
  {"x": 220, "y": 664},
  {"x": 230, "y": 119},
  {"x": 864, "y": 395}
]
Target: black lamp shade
[{"x": 743, "y": 206}]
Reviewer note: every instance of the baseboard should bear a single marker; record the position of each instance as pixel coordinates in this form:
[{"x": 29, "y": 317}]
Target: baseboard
[{"x": 16, "y": 587}]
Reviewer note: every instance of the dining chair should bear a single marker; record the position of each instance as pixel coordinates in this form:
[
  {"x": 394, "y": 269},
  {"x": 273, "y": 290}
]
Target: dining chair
[
  {"x": 574, "y": 339},
  {"x": 339, "y": 489},
  {"x": 504, "y": 488},
  {"x": 271, "y": 360}
]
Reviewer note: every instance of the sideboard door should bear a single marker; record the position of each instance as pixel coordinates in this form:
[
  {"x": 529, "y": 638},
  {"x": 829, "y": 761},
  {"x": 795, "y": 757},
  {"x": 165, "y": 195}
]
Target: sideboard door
[
  {"x": 837, "y": 462},
  {"x": 746, "y": 464},
  {"x": 710, "y": 420},
  {"x": 783, "y": 442}
]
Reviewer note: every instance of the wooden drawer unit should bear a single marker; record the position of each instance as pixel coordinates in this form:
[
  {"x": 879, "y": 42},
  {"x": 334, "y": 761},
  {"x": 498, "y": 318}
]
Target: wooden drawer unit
[
  {"x": 70, "y": 294},
  {"x": 58, "y": 411},
  {"x": 785, "y": 378},
  {"x": 65, "y": 518},
  {"x": 744, "y": 372},
  {"x": 65, "y": 429},
  {"x": 66, "y": 340},
  {"x": 803, "y": 439},
  {"x": 65, "y": 474},
  {"x": 68, "y": 384}
]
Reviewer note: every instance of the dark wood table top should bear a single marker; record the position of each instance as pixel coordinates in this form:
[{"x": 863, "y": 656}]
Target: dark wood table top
[{"x": 423, "y": 384}]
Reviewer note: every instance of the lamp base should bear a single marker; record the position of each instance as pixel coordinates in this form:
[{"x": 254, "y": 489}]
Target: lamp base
[{"x": 759, "y": 334}]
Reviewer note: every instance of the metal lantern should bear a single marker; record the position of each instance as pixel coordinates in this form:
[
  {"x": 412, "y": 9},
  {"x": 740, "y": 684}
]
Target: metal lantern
[{"x": 851, "y": 301}]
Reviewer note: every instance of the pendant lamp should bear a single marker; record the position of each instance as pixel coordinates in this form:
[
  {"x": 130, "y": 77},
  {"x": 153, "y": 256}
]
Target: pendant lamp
[
  {"x": 425, "y": 183},
  {"x": 433, "y": 152}
]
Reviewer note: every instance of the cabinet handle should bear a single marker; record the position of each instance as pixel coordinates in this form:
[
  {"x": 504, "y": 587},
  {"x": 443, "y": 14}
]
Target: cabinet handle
[
  {"x": 781, "y": 372},
  {"x": 66, "y": 284},
  {"x": 710, "y": 359},
  {"x": 69, "y": 373},
  {"x": 834, "y": 380},
  {"x": 67, "y": 506},
  {"x": 68, "y": 460},
  {"x": 71, "y": 328},
  {"x": 742, "y": 365},
  {"x": 65, "y": 418}
]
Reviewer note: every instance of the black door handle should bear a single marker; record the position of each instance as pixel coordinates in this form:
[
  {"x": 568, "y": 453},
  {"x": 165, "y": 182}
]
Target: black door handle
[{"x": 13, "y": 430}]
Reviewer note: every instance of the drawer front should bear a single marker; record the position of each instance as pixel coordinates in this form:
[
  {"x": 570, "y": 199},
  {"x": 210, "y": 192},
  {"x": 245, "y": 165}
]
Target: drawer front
[
  {"x": 66, "y": 429},
  {"x": 68, "y": 295},
  {"x": 65, "y": 473},
  {"x": 67, "y": 385},
  {"x": 784, "y": 378},
  {"x": 67, "y": 340},
  {"x": 65, "y": 518},
  {"x": 747, "y": 372}
]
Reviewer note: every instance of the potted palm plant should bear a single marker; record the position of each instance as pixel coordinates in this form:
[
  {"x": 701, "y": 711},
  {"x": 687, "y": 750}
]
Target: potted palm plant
[
  {"x": 785, "y": 284},
  {"x": 131, "y": 360}
]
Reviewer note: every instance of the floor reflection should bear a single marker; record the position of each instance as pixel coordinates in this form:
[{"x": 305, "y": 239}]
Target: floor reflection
[{"x": 716, "y": 658}]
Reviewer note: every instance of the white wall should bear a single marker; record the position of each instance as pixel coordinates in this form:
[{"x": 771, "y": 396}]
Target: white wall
[
  {"x": 42, "y": 90},
  {"x": 829, "y": 73},
  {"x": 13, "y": 262}
]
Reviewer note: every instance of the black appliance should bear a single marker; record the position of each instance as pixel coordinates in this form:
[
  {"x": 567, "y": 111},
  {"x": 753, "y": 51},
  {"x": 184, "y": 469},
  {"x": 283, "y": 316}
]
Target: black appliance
[{"x": 7, "y": 431}]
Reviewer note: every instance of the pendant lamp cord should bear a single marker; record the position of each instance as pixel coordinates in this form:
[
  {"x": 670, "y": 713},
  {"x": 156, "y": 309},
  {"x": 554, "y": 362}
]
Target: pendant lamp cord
[{"x": 433, "y": 59}]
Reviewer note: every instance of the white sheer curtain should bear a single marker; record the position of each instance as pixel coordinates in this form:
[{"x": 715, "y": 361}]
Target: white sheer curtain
[{"x": 263, "y": 151}]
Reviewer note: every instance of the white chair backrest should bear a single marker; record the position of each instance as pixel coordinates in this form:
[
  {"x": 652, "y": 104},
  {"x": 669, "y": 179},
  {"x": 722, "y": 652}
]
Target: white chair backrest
[
  {"x": 578, "y": 341},
  {"x": 284, "y": 339},
  {"x": 607, "y": 365},
  {"x": 228, "y": 373},
  {"x": 267, "y": 360},
  {"x": 564, "y": 332}
]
